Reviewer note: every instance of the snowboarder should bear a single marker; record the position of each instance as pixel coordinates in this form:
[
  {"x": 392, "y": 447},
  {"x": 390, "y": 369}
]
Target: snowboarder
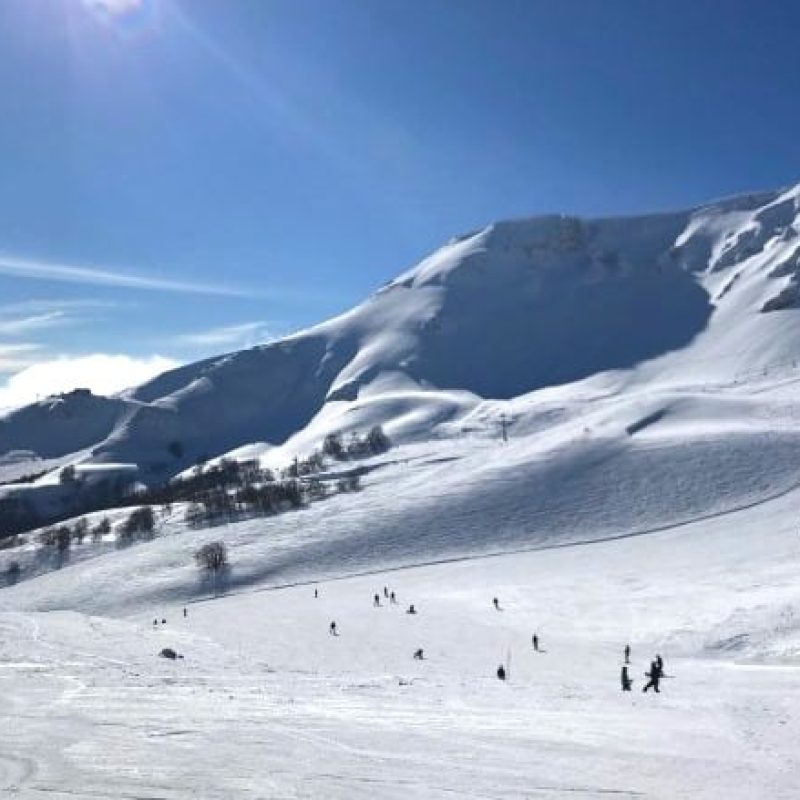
[
  {"x": 418, "y": 654},
  {"x": 392, "y": 598},
  {"x": 627, "y": 654},
  {"x": 655, "y": 677},
  {"x": 625, "y": 679},
  {"x": 496, "y": 603},
  {"x": 377, "y": 600},
  {"x": 535, "y": 641},
  {"x": 332, "y": 629},
  {"x": 411, "y": 609},
  {"x": 501, "y": 672}
]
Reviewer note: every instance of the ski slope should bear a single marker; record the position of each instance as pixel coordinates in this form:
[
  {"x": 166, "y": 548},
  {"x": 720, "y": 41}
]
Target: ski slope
[{"x": 266, "y": 703}]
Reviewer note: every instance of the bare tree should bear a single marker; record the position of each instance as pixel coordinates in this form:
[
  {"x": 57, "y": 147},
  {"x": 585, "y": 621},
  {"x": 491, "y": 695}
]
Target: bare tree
[{"x": 212, "y": 558}]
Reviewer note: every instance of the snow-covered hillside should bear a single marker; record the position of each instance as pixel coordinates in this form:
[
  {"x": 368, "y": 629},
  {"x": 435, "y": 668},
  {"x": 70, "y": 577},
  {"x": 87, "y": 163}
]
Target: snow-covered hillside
[{"x": 267, "y": 704}]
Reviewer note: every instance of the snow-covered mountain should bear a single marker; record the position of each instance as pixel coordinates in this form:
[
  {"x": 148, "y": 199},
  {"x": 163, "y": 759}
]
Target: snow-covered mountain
[{"x": 507, "y": 310}]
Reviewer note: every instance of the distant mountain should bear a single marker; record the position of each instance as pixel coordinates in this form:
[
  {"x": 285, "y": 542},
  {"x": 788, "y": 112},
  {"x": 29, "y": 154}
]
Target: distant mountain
[{"x": 707, "y": 294}]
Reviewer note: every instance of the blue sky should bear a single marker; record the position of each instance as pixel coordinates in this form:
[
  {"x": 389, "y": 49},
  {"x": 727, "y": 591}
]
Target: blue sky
[{"x": 183, "y": 178}]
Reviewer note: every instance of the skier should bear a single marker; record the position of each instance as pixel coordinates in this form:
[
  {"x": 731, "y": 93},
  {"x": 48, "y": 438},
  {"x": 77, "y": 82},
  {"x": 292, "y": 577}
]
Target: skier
[
  {"x": 501, "y": 672},
  {"x": 496, "y": 603},
  {"x": 655, "y": 677},
  {"x": 626, "y": 681},
  {"x": 377, "y": 600},
  {"x": 660, "y": 662},
  {"x": 418, "y": 654},
  {"x": 392, "y": 598},
  {"x": 627, "y": 654},
  {"x": 332, "y": 629},
  {"x": 185, "y": 613},
  {"x": 155, "y": 623},
  {"x": 163, "y": 622},
  {"x": 316, "y": 593},
  {"x": 411, "y": 609},
  {"x": 385, "y": 591},
  {"x": 535, "y": 641}
]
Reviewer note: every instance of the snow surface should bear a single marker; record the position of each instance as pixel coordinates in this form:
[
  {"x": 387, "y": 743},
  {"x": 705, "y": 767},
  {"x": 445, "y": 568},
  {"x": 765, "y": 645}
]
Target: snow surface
[{"x": 266, "y": 704}]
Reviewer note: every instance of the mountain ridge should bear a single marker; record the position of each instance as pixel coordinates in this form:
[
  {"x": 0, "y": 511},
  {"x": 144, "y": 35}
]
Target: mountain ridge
[{"x": 515, "y": 307}]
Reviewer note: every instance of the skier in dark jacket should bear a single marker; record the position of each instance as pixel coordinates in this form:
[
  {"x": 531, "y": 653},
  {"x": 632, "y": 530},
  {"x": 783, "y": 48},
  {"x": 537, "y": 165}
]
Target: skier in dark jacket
[
  {"x": 496, "y": 603},
  {"x": 332, "y": 629},
  {"x": 655, "y": 677},
  {"x": 625, "y": 679},
  {"x": 535, "y": 642},
  {"x": 411, "y": 609},
  {"x": 501, "y": 672},
  {"x": 627, "y": 654},
  {"x": 376, "y": 600},
  {"x": 418, "y": 654}
]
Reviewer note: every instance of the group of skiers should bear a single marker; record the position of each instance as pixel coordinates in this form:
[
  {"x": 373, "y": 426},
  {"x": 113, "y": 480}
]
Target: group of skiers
[
  {"x": 390, "y": 596},
  {"x": 655, "y": 674}
]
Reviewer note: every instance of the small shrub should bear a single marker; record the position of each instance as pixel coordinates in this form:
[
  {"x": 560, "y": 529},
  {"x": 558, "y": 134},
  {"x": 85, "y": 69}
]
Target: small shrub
[{"x": 212, "y": 557}]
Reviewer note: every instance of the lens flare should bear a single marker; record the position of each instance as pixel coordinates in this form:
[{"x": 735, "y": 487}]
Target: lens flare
[{"x": 129, "y": 17}]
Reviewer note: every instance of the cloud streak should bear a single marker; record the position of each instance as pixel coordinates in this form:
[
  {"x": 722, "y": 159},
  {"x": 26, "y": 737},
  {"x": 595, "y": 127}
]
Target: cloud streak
[
  {"x": 31, "y": 324},
  {"x": 244, "y": 334},
  {"x": 68, "y": 273}
]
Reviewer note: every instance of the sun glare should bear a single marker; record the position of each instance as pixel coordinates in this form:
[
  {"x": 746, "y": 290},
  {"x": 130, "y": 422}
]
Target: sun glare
[{"x": 126, "y": 16}]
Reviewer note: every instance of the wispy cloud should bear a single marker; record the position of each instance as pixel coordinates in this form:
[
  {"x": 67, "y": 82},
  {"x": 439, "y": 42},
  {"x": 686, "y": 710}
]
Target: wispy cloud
[
  {"x": 14, "y": 357},
  {"x": 31, "y": 324},
  {"x": 69, "y": 273},
  {"x": 46, "y": 305},
  {"x": 245, "y": 334}
]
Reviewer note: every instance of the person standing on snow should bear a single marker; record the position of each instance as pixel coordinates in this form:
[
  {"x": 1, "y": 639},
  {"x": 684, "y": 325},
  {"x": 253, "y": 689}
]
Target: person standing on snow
[
  {"x": 501, "y": 672},
  {"x": 625, "y": 679},
  {"x": 627, "y": 654},
  {"x": 535, "y": 642},
  {"x": 655, "y": 677}
]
